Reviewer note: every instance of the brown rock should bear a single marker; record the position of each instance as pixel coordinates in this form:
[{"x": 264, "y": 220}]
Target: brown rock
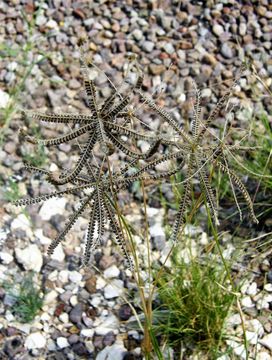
[
  {"x": 209, "y": 59},
  {"x": 90, "y": 284},
  {"x": 156, "y": 69}
]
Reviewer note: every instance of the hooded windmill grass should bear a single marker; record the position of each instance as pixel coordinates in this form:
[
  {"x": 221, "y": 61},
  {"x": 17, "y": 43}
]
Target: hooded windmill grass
[{"x": 93, "y": 180}]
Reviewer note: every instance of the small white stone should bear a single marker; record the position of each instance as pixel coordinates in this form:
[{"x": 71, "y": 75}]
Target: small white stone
[
  {"x": 52, "y": 207},
  {"x": 252, "y": 337},
  {"x": 100, "y": 283},
  {"x": 115, "y": 352},
  {"x": 263, "y": 355},
  {"x": 238, "y": 349},
  {"x": 64, "y": 317},
  {"x": 111, "y": 272},
  {"x": 268, "y": 287},
  {"x": 218, "y": 29},
  {"x": 63, "y": 276},
  {"x": 114, "y": 289},
  {"x": 169, "y": 48},
  {"x": 247, "y": 302},
  {"x": 43, "y": 239},
  {"x": 58, "y": 254},
  {"x": 50, "y": 297},
  {"x": 40, "y": 20},
  {"x": 137, "y": 34},
  {"x": 25, "y": 328},
  {"x": 52, "y": 24},
  {"x": 263, "y": 303},
  {"x": 75, "y": 277},
  {"x": 12, "y": 66},
  {"x": 45, "y": 317},
  {"x": 6, "y": 258},
  {"x": 35, "y": 341},
  {"x": 96, "y": 301},
  {"x": 21, "y": 222},
  {"x": 206, "y": 92},
  {"x": 204, "y": 239},
  {"x": 73, "y": 300},
  {"x": 51, "y": 346},
  {"x": 267, "y": 341},
  {"x": 255, "y": 326},
  {"x": 87, "y": 332},
  {"x": 4, "y": 99},
  {"x": 30, "y": 257},
  {"x": 234, "y": 320},
  {"x": 62, "y": 342},
  {"x": 252, "y": 289}
]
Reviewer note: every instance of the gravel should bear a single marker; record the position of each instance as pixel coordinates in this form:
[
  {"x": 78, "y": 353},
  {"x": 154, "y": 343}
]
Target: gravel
[{"x": 84, "y": 312}]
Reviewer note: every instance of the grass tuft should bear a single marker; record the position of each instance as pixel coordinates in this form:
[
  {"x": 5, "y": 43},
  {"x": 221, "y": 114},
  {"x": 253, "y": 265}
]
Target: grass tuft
[
  {"x": 193, "y": 306},
  {"x": 28, "y": 299}
]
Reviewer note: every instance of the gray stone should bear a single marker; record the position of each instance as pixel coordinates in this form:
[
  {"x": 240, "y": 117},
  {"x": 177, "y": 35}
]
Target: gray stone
[
  {"x": 148, "y": 46},
  {"x": 75, "y": 314},
  {"x": 115, "y": 352},
  {"x": 227, "y": 51},
  {"x": 169, "y": 48}
]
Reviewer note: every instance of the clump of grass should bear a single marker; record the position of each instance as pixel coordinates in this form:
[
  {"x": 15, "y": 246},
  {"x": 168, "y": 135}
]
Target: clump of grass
[
  {"x": 12, "y": 191},
  {"x": 28, "y": 299},
  {"x": 194, "y": 306},
  {"x": 39, "y": 157}
]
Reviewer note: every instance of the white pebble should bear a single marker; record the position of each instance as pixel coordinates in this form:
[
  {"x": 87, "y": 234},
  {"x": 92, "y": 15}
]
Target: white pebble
[
  {"x": 268, "y": 287},
  {"x": 52, "y": 207},
  {"x": 267, "y": 341},
  {"x": 111, "y": 272},
  {"x": 247, "y": 302},
  {"x": 4, "y": 99},
  {"x": 6, "y": 258},
  {"x": 115, "y": 289},
  {"x": 30, "y": 257},
  {"x": 75, "y": 277},
  {"x": 62, "y": 342},
  {"x": 35, "y": 341},
  {"x": 87, "y": 332},
  {"x": 252, "y": 289}
]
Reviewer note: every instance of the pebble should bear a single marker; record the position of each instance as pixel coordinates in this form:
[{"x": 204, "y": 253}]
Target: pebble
[
  {"x": 217, "y": 29},
  {"x": 62, "y": 342},
  {"x": 75, "y": 277},
  {"x": 169, "y": 48},
  {"x": 267, "y": 287},
  {"x": 5, "y": 257},
  {"x": 137, "y": 34},
  {"x": 157, "y": 69},
  {"x": 114, "y": 289},
  {"x": 227, "y": 51},
  {"x": 36, "y": 340},
  {"x": 267, "y": 341},
  {"x": 87, "y": 332},
  {"x": 116, "y": 352},
  {"x": 75, "y": 314},
  {"x": 148, "y": 46},
  {"x": 252, "y": 289},
  {"x": 51, "y": 207},
  {"x": 247, "y": 302},
  {"x": 30, "y": 257},
  {"x": 111, "y": 272}
]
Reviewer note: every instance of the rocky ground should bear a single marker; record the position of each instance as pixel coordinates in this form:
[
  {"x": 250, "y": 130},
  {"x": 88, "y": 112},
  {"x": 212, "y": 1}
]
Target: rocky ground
[{"x": 85, "y": 312}]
